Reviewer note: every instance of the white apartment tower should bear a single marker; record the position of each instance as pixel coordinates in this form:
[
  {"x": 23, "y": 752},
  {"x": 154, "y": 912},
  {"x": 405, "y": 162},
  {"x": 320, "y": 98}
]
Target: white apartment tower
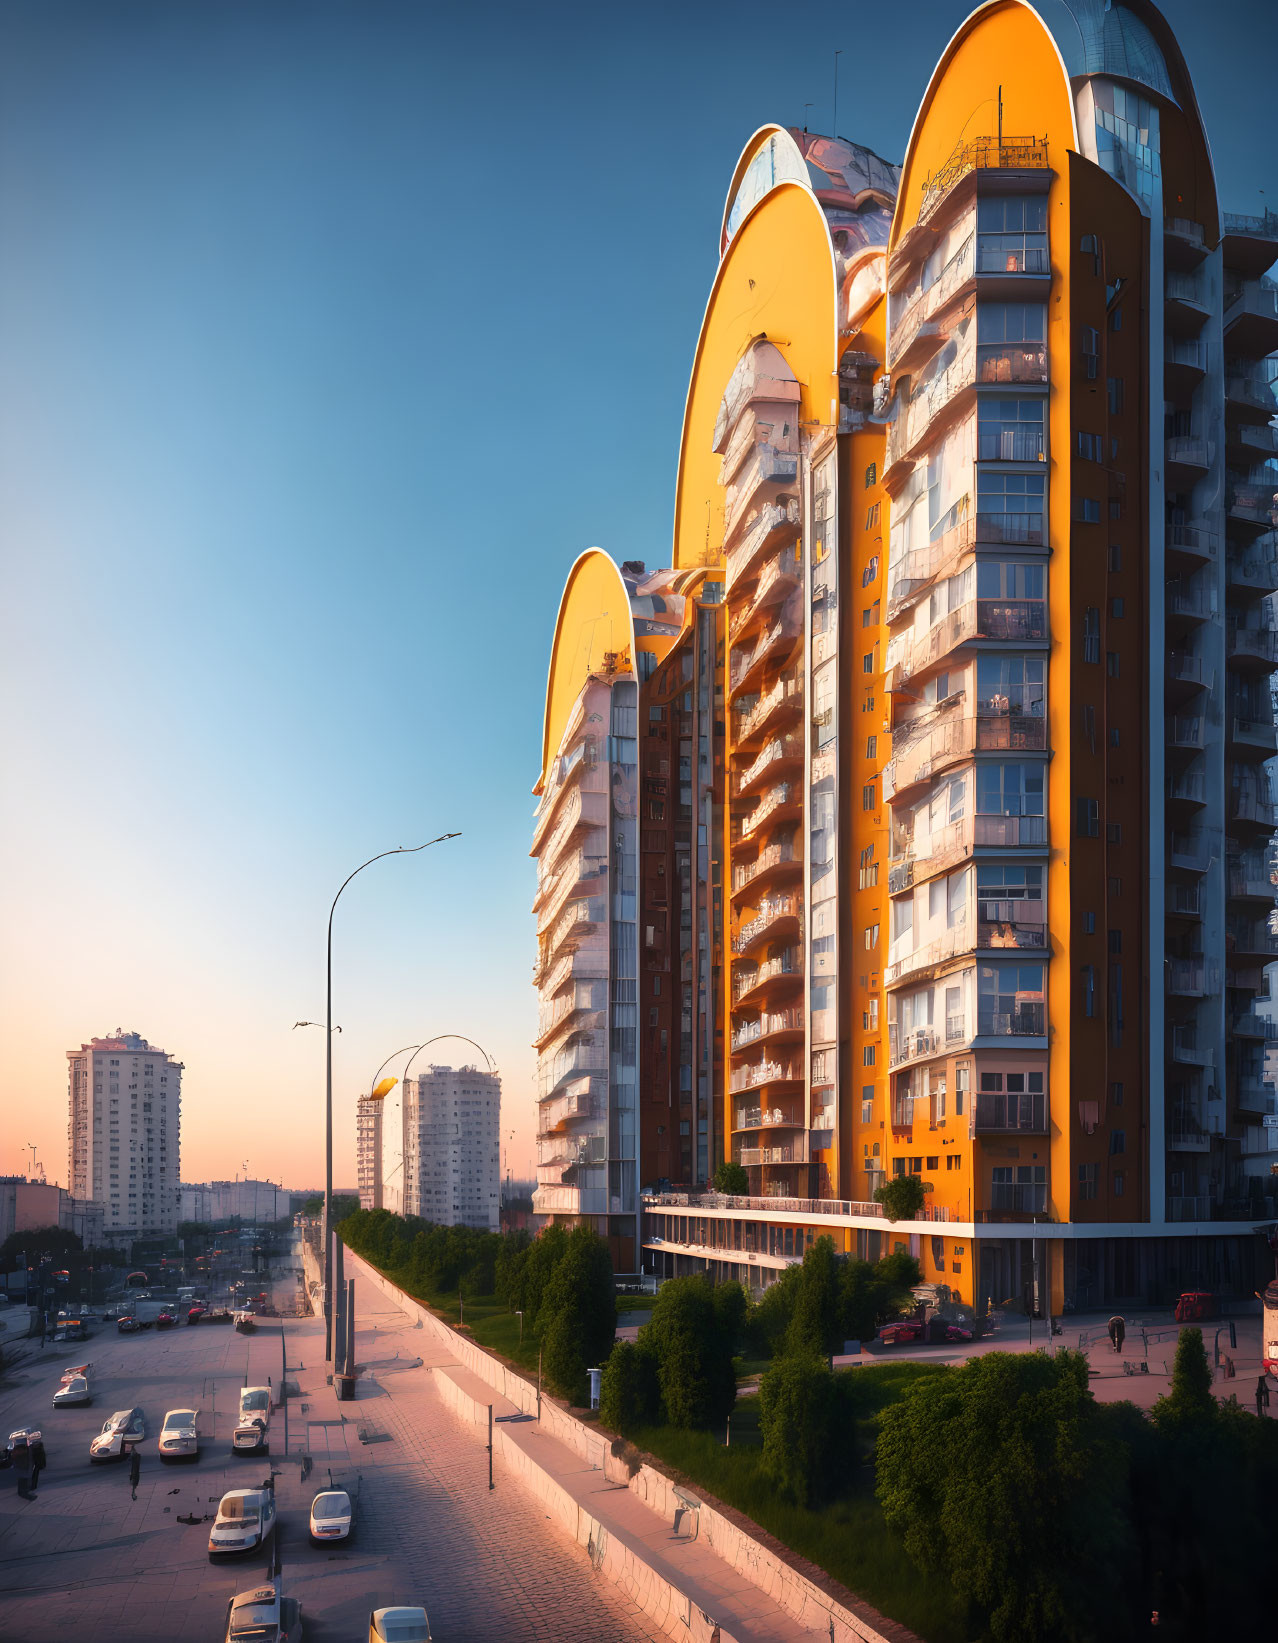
[
  {"x": 123, "y": 1134},
  {"x": 452, "y": 1148}
]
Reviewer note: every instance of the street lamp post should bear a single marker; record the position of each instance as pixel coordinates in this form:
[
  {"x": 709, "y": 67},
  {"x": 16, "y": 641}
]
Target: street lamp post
[{"x": 401, "y": 850}]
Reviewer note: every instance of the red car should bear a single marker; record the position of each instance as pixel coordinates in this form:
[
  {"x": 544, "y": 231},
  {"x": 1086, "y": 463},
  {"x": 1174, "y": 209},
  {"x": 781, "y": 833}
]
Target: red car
[
  {"x": 166, "y": 1320},
  {"x": 908, "y": 1330},
  {"x": 1197, "y": 1306}
]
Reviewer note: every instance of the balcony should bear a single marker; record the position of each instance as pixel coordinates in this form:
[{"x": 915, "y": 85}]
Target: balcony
[
  {"x": 767, "y": 466},
  {"x": 1184, "y": 242},
  {"x": 1000, "y": 1114},
  {"x": 1184, "y": 901},
  {"x": 996, "y": 443},
  {"x": 1184, "y": 731},
  {"x": 944, "y": 847},
  {"x": 1186, "y": 787},
  {"x": 1008, "y": 620},
  {"x": 919, "y": 1044},
  {"x": 950, "y": 738},
  {"x": 1254, "y": 569},
  {"x": 1187, "y": 458},
  {"x": 1250, "y": 397},
  {"x": 777, "y": 916},
  {"x": 1250, "y": 442},
  {"x": 935, "y": 402},
  {"x": 1025, "y": 1019},
  {"x": 778, "y": 859},
  {"x": 780, "y": 575},
  {"x": 1251, "y": 648},
  {"x": 1250, "y": 243},
  {"x": 1251, "y": 319},
  {"x": 951, "y": 942},
  {"x": 1186, "y": 675},
  {"x": 761, "y": 533},
  {"x": 1012, "y": 1201},
  {"x": 782, "y": 750},
  {"x": 781, "y": 1026},
  {"x": 565, "y": 1009},
  {"x": 1253, "y": 1093},
  {"x": 1184, "y": 364},
  {"x": 755, "y": 1076},
  {"x": 1247, "y": 938},
  {"x": 776, "y": 641},
  {"x": 557, "y": 1112},
  {"x": 779, "y": 803},
  {"x": 1252, "y": 505},
  {"x": 913, "y": 310},
  {"x": 1187, "y": 977},
  {"x": 1185, "y": 306},
  {"x": 1027, "y": 530},
  {"x": 1191, "y": 1049},
  {"x": 912, "y": 573},
  {"x": 586, "y": 964},
  {"x": 781, "y": 701},
  {"x": 980, "y": 154},
  {"x": 572, "y": 809},
  {"x": 792, "y": 1152},
  {"x": 580, "y": 920},
  {"x": 577, "y": 874},
  {"x": 1184, "y": 1136},
  {"x": 1252, "y": 738},
  {"x": 1251, "y": 1024},
  {"x": 782, "y": 967},
  {"x": 1250, "y": 878},
  {"x": 1251, "y": 802},
  {"x": 1013, "y": 925},
  {"x": 1190, "y": 542}
]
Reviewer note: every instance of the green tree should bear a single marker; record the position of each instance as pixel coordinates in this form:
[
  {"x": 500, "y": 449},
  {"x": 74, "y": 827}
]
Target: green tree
[
  {"x": 578, "y": 1313},
  {"x": 815, "y": 1325},
  {"x": 695, "y": 1375},
  {"x": 628, "y": 1390},
  {"x": 797, "y": 1404},
  {"x": 768, "y": 1318},
  {"x": 548, "y": 1249},
  {"x": 731, "y": 1303},
  {"x": 731, "y": 1178},
  {"x": 507, "y": 1272},
  {"x": 901, "y": 1197},
  {"x": 58, "y": 1243},
  {"x": 1189, "y": 1401},
  {"x": 1001, "y": 1476}
]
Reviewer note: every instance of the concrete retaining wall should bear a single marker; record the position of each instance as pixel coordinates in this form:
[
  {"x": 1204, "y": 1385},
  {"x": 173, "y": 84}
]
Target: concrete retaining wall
[{"x": 751, "y": 1560}]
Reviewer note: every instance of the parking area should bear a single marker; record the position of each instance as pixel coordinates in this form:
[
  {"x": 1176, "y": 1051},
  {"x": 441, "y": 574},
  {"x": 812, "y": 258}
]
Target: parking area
[{"x": 85, "y": 1561}]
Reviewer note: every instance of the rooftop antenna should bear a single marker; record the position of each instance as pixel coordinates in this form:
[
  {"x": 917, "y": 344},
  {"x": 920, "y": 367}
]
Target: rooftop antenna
[
  {"x": 834, "y": 129},
  {"x": 806, "y": 107},
  {"x": 31, "y": 1147},
  {"x": 1000, "y": 116}
]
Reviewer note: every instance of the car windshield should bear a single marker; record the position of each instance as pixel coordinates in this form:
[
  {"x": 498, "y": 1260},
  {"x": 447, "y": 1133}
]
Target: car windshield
[
  {"x": 331, "y": 1506},
  {"x": 254, "y": 1400},
  {"x": 179, "y": 1417},
  {"x": 236, "y": 1507},
  {"x": 227, "y": 1516},
  {"x": 406, "y": 1631}
]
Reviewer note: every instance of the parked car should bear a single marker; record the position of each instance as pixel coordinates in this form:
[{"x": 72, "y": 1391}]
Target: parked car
[
  {"x": 1197, "y": 1306},
  {"x": 72, "y": 1370},
  {"x": 256, "y": 1401},
  {"x": 902, "y": 1332},
  {"x": 74, "y": 1390},
  {"x": 118, "y": 1435},
  {"x": 331, "y": 1515},
  {"x": 263, "y": 1616},
  {"x": 245, "y": 1322},
  {"x": 71, "y": 1329},
  {"x": 166, "y": 1320},
  {"x": 249, "y": 1436},
  {"x": 398, "y": 1626},
  {"x": 180, "y": 1435},
  {"x": 245, "y": 1518}
]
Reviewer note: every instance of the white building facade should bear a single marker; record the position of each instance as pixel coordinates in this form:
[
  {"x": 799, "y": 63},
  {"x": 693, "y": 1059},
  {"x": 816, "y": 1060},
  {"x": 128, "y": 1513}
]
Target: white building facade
[
  {"x": 432, "y": 1148},
  {"x": 124, "y": 1133}
]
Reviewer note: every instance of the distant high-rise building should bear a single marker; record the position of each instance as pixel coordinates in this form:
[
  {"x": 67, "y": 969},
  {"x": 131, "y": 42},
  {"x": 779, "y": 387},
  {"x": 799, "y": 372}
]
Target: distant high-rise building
[
  {"x": 432, "y": 1148},
  {"x": 123, "y": 1134}
]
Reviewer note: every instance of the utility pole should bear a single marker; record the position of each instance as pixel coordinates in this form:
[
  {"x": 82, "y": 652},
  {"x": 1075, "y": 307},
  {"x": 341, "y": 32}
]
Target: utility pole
[
  {"x": 834, "y": 124},
  {"x": 490, "y": 1445}
]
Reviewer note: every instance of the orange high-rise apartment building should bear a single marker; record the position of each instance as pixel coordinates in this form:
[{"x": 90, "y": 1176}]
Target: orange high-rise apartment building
[{"x": 973, "y": 559}]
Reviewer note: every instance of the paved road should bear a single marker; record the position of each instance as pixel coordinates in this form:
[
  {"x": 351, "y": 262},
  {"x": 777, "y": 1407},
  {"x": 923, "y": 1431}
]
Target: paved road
[{"x": 86, "y": 1563}]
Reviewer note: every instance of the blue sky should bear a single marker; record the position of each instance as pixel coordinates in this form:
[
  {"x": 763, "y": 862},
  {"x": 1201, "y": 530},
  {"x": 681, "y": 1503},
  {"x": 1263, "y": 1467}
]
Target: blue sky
[{"x": 329, "y": 335}]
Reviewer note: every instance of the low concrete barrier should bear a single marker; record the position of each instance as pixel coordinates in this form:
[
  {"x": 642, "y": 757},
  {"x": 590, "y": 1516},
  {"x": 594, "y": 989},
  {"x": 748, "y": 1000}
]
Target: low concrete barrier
[{"x": 754, "y": 1562}]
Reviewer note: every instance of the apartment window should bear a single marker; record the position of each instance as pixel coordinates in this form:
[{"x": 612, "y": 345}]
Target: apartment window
[
  {"x": 1113, "y": 832},
  {"x": 1115, "y": 560},
  {"x": 867, "y": 1055},
  {"x": 1117, "y": 608},
  {"x": 1115, "y": 508},
  {"x": 1088, "y": 973},
  {"x": 1087, "y": 510},
  {"x": 1089, "y": 245},
  {"x": 871, "y": 936},
  {"x": 867, "y": 1107},
  {"x": 867, "y": 796},
  {"x": 1116, "y": 1094},
  {"x": 870, "y": 615},
  {"x": 1116, "y": 320},
  {"x": 1011, "y": 235},
  {"x": 1090, "y": 339},
  {"x": 1115, "y": 886},
  {"x": 871, "y": 747},
  {"x": 867, "y": 662},
  {"x": 1087, "y": 1181},
  {"x": 1011, "y": 430},
  {"x": 656, "y": 810},
  {"x": 1088, "y": 818},
  {"x": 1114, "y": 386},
  {"x": 1009, "y": 506},
  {"x": 1091, "y": 634},
  {"x": 871, "y": 475},
  {"x": 1113, "y": 664},
  {"x": 1117, "y": 1141},
  {"x": 871, "y": 571},
  {"x": 1115, "y": 941},
  {"x": 1090, "y": 447},
  {"x": 872, "y": 516}
]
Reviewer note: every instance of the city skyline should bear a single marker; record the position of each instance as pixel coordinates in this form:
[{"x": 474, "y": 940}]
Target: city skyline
[{"x": 219, "y": 321}]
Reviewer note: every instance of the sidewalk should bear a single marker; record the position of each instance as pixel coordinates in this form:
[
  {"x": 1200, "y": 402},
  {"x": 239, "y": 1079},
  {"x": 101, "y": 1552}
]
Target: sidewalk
[{"x": 677, "y": 1578}]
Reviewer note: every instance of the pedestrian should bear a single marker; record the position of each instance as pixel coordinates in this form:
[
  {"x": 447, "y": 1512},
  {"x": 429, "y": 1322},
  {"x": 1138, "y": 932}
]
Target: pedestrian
[
  {"x": 22, "y": 1466},
  {"x": 1117, "y": 1331},
  {"x": 135, "y": 1470},
  {"x": 39, "y": 1460},
  {"x": 1262, "y": 1397}
]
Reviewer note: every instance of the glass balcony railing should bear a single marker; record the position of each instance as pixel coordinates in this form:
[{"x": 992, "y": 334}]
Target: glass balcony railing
[
  {"x": 1000, "y": 1113},
  {"x": 757, "y": 535},
  {"x": 768, "y": 466},
  {"x": 788, "y": 965},
  {"x": 1012, "y": 529},
  {"x": 775, "y": 855},
  {"x": 770, "y": 1022},
  {"x": 1010, "y": 444},
  {"x": 918, "y": 755},
  {"x": 768, "y": 1118},
  {"x": 1002, "y": 619},
  {"x": 980, "y": 154},
  {"x": 786, "y": 692},
  {"x": 1023, "y": 1019},
  {"x": 774, "y": 910},
  {"x": 912, "y": 572},
  {"x": 770, "y": 1071}
]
